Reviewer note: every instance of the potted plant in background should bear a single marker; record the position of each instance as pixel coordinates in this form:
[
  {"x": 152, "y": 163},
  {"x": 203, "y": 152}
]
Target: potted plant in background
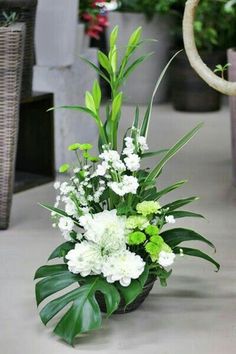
[
  {"x": 217, "y": 83},
  {"x": 213, "y": 37},
  {"x": 12, "y": 37},
  {"x": 156, "y": 22},
  {"x": 110, "y": 214}
]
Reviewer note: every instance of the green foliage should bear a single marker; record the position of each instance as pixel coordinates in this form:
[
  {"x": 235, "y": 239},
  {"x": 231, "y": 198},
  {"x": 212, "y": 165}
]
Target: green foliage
[
  {"x": 148, "y": 7},
  {"x": 9, "y": 18},
  {"x": 214, "y": 26}
]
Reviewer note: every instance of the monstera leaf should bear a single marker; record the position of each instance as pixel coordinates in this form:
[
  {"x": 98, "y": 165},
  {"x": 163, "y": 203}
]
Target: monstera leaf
[{"x": 84, "y": 313}]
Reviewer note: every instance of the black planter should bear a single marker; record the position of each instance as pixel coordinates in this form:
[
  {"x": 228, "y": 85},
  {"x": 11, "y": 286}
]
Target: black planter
[
  {"x": 122, "y": 309},
  {"x": 189, "y": 92}
]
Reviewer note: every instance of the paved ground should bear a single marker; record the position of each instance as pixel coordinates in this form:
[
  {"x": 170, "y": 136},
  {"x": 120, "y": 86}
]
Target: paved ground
[{"x": 195, "y": 314}]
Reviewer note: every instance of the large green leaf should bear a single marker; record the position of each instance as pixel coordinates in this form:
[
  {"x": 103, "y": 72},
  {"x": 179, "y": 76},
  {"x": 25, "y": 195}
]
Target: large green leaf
[
  {"x": 135, "y": 288},
  {"x": 172, "y": 151},
  {"x": 51, "y": 284},
  {"x": 84, "y": 314},
  {"x": 179, "y": 203},
  {"x": 174, "y": 237},
  {"x": 196, "y": 253},
  {"x": 49, "y": 270},
  {"x": 62, "y": 250}
]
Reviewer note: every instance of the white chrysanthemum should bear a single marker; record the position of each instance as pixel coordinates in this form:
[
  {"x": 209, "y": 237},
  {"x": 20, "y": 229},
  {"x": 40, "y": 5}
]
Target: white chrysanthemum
[
  {"x": 66, "y": 223},
  {"x": 132, "y": 162},
  {"x": 142, "y": 143},
  {"x": 123, "y": 267},
  {"x": 166, "y": 259},
  {"x": 105, "y": 229},
  {"x": 170, "y": 219},
  {"x": 85, "y": 259}
]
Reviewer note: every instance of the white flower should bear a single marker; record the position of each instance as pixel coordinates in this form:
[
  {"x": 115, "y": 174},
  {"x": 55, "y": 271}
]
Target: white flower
[
  {"x": 119, "y": 166},
  {"x": 105, "y": 229},
  {"x": 166, "y": 258},
  {"x": 123, "y": 267},
  {"x": 108, "y": 6},
  {"x": 101, "y": 169},
  {"x": 85, "y": 259},
  {"x": 132, "y": 162},
  {"x": 170, "y": 219},
  {"x": 56, "y": 185},
  {"x": 142, "y": 143},
  {"x": 66, "y": 223},
  {"x": 65, "y": 188},
  {"x": 110, "y": 155},
  {"x": 70, "y": 207},
  {"x": 129, "y": 146},
  {"x": 129, "y": 184},
  {"x": 66, "y": 235}
]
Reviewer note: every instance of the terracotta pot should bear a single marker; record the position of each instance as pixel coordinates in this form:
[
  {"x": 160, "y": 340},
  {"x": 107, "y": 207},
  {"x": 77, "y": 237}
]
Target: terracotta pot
[
  {"x": 232, "y": 100},
  {"x": 189, "y": 92},
  {"x": 140, "y": 85}
]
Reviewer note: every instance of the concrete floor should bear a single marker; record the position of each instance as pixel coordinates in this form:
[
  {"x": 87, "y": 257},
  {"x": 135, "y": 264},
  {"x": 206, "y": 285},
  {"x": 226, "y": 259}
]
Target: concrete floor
[{"x": 195, "y": 314}]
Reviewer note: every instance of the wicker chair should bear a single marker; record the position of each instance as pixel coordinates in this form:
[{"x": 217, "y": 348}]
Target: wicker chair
[
  {"x": 26, "y": 11},
  {"x": 11, "y": 63}
]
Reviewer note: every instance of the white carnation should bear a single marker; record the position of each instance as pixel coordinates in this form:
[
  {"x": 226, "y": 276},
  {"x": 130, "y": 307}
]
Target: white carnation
[
  {"x": 66, "y": 223},
  {"x": 132, "y": 162},
  {"x": 110, "y": 155},
  {"x": 101, "y": 169},
  {"x": 129, "y": 146},
  {"x": 129, "y": 184},
  {"x": 166, "y": 259},
  {"x": 123, "y": 267},
  {"x": 85, "y": 259}
]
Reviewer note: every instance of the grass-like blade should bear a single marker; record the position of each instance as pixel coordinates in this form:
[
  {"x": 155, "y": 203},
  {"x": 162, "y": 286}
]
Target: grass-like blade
[{"x": 196, "y": 253}]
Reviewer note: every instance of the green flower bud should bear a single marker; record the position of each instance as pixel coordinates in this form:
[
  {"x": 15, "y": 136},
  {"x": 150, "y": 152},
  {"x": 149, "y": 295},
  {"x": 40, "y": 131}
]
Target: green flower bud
[
  {"x": 136, "y": 238},
  {"x": 64, "y": 168},
  {"x": 152, "y": 230},
  {"x": 74, "y": 147}
]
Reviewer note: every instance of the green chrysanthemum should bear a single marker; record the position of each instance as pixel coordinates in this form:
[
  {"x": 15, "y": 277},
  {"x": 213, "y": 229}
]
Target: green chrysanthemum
[
  {"x": 152, "y": 230},
  {"x": 137, "y": 222},
  {"x": 136, "y": 238},
  {"x": 148, "y": 207}
]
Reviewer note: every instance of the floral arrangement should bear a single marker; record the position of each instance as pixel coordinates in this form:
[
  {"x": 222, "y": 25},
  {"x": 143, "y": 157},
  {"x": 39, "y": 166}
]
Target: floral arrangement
[
  {"x": 94, "y": 14},
  {"x": 117, "y": 240}
]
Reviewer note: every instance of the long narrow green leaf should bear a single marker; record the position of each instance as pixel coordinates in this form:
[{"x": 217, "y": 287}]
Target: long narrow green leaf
[
  {"x": 179, "y": 203},
  {"x": 147, "y": 117},
  {"x": 172, "y": 151},
  {"x": 184, "y": 214},
  {"x": 174, "y": 237},
  {"x": 55, "y": 210},
  {"x": 96, "y": 69},
  {"x": 76, "y": 108},
  {"x": 153, "y": 153},
  {"x": 135, "y": 64},
  {"x": 196, "y": 253},
  {"x": 169, "y": 189}
]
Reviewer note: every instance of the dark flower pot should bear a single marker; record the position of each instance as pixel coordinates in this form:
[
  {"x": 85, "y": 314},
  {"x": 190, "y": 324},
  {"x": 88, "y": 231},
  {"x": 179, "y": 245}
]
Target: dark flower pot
[
  {"x": 122, "y": 309},
  {"x": 232, "y": 100},
  {"x": 189, "y": 92}
]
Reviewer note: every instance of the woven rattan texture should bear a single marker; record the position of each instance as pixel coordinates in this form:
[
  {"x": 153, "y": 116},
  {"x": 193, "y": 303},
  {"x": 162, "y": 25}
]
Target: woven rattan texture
[
  {"x": 11, "y": 62},
  {"x": 26, "y": 12}
]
